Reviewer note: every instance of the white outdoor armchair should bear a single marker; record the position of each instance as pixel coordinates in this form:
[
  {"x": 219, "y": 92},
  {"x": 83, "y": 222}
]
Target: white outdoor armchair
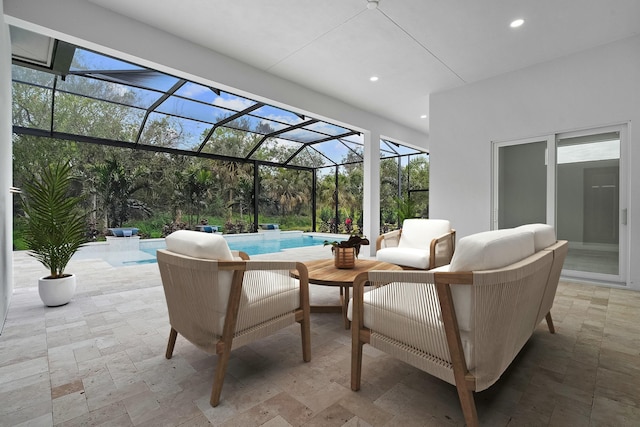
[
  {"x": 219, "y": 302},
  {"x": 421, "y": 244}
]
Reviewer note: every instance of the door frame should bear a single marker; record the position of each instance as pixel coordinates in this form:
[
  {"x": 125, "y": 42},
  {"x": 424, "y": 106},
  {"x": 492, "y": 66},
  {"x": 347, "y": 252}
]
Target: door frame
[
  {"x": 624, "y": 197},
  {"x": 550, "y": 158}
]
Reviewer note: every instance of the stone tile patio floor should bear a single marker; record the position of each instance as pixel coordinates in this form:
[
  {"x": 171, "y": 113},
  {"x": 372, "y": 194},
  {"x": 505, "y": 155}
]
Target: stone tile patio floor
[{"x": 100, "y": 361}]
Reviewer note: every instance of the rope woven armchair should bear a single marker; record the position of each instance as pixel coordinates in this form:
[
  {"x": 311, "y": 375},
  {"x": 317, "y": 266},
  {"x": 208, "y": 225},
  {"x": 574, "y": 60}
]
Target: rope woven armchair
[
  {"x": 465, "y": 322},
  {"x": 220, "y": 302},
  {"x": 420, "y": 243}
]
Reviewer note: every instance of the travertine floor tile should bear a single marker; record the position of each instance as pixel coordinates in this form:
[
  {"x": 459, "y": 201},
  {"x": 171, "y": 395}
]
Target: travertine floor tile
[{"x": 100, "y": 361}]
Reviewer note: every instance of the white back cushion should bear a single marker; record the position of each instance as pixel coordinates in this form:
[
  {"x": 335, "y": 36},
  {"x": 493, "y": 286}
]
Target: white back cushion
[
  {"x": 409, "y": 257},
  {"x": 488, "y": 250},
  {"x": 544, "y": 235},
  {"x": 419, "y": 232},
  {"x": 201, "y": 245},
  {"x": 197, "y": 244},
  {"x": 492, "y": 249}
]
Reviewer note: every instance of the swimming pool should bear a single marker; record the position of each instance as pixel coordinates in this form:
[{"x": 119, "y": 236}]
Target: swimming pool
[
  {"x": 130, "y": 251},
  {"x": 258, "y": 246}
]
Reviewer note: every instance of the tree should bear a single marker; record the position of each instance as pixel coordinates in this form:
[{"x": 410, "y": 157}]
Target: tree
[
  {"x": 288, "y": 189},
  {"x": 197, "y": 189},
  {"x": 115, "y": 187}
]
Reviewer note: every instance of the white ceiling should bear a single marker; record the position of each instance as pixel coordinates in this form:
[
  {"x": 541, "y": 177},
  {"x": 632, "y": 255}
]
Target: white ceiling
[{"x": 415, "y": 47}]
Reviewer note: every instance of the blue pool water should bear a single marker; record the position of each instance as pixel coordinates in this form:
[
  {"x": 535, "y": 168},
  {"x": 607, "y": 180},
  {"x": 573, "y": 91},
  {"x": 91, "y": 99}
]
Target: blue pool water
[
  {"x": 133, "y": 251},
  {"x": 260, "y": 246}
]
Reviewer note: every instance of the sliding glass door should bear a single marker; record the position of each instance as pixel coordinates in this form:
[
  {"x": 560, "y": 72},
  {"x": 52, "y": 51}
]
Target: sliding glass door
[
  {"x": 588, "y": 201},
  {"x": 573, "y": 181},
  {"x": 522, "y": 184}
]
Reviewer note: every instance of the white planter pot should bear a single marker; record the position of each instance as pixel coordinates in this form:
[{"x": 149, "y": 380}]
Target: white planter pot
[{"x": 55, "y": 292}]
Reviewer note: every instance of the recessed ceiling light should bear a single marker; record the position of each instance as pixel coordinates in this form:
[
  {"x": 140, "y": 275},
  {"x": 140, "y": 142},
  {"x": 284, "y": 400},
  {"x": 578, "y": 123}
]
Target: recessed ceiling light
[
  {"x": 373, "y": 78},
  {"x": 424, "y": 116},
  {"x": 372, "y": 4},
  {"x": 517, "y": 23}
]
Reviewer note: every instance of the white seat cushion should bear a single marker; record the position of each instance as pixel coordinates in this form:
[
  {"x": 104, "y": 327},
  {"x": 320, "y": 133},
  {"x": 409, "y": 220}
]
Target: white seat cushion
[
  {"x": 268, "y": 294},
  {"x": 544, "y": 235},
  {"x": 410, "y": 257},
  {"x": 399, "y": 311}
]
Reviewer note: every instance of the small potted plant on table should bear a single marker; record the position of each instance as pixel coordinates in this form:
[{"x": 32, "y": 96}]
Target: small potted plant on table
[
  {"x": 55, "y": 230},
  {"x": 346, "y": 251}
]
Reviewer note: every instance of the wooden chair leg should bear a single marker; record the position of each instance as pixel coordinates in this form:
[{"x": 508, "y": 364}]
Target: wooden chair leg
[
  {"x": 552, "y": 328},
  {"x": 171, "y": 344},
  {"x": 305, "y": 332},
  {"x": 218, "y": 379},
  {"x": 356, "y": 364},
  {"x": 468, "y": 405},
  {"x": 345, "y": 308}
]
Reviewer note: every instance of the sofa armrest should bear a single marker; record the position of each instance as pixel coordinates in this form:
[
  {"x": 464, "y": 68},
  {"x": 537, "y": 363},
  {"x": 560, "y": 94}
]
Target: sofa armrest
[
  {"x": 387, "y": 239},
  {"x": 241, "y": 255},
  {"x": 415, "y": 321},
  {"x": 441, "y": 249}
]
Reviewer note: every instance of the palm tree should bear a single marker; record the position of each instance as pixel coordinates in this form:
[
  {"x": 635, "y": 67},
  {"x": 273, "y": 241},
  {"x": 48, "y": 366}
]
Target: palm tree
[
  {"x": 116, "y": 185},
  {"x": 198, "y": 186},
  {"x": 288, "y": 190}
]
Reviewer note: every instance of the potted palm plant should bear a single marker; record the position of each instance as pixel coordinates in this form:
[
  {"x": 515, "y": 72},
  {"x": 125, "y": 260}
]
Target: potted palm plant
[{"x": 55, "y": 230}]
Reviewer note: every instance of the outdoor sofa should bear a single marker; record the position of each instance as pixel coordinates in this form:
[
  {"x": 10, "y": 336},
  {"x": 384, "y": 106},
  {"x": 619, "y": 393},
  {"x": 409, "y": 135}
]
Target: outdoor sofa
[{"x": 464, "y": 322}]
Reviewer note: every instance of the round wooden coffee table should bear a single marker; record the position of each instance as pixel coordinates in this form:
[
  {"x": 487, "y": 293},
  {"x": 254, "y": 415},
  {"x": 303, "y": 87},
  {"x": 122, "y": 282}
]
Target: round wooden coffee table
[{"x": 324, "y": 272}]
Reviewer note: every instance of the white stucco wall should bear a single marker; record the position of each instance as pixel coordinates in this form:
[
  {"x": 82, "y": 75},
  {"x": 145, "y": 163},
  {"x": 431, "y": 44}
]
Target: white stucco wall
[
  {"x": 6, "y": 201},
  {"x": 593, "y": 88}
]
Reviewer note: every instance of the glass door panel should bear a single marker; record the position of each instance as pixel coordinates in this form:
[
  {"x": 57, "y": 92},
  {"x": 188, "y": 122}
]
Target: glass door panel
[
  {"x": 588, "y": 201},
  {"x": 522, "y": 184}
]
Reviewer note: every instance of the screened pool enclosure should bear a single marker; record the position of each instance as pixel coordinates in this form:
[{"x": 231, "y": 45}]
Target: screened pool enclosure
[{"x": 254, "y": 160}]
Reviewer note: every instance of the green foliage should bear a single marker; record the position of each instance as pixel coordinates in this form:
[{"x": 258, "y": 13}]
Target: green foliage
[
  {"x": 126, "y": 185},
  {"x": 405, "y": 208},
  {"x": 414, "y": 177},
  {"x": 115, "y": 186},
  {"x": 19, "y": 224},
  {"x": 325, "y": 214},
  {"x": 151, "y": 228},
  {"x": 55, "y": 229},
  {"x": 354, "y": 241}
]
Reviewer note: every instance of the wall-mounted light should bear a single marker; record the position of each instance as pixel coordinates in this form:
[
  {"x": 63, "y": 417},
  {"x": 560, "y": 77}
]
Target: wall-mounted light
[{"x": 372, "y": 4}]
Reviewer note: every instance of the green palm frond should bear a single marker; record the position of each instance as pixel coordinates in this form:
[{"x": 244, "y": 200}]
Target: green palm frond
[{"x": 55, "y": 229}]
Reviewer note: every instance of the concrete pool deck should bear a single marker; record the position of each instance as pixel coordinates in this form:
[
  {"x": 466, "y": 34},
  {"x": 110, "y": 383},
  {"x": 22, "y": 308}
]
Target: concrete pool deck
[{"x": 96, "y": 276}]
